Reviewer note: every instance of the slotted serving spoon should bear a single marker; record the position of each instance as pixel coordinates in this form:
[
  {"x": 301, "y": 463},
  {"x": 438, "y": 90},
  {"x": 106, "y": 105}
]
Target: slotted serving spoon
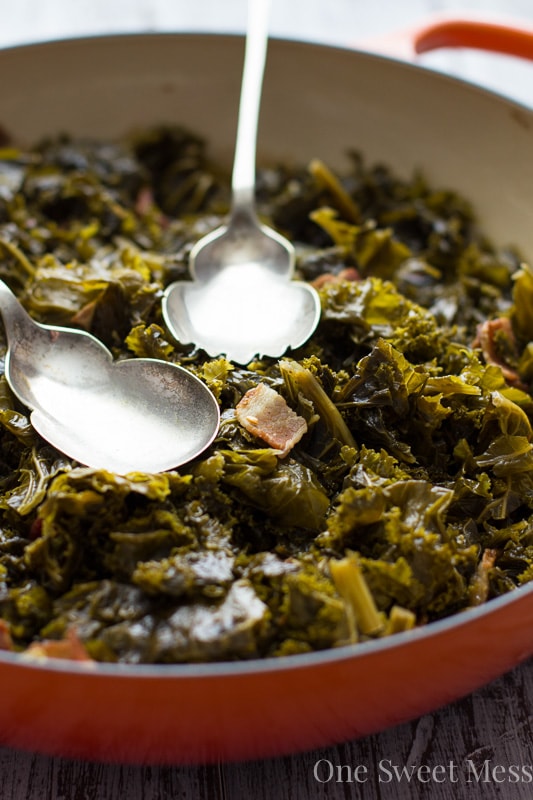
[
  {"x": 242, "y": 302},
  {"x": 140, "y": 414}
]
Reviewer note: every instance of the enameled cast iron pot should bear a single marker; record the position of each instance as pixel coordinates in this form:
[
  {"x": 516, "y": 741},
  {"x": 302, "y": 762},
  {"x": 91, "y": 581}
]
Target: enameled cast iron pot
[{"x": 318, "y": 101}]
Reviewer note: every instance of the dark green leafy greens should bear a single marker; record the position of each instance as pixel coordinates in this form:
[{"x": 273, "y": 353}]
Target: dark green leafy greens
[{"x": 410, "y": 496}]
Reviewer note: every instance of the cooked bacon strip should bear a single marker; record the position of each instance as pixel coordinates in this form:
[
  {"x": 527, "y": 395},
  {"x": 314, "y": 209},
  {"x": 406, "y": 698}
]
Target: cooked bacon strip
[
  {"x": 264, "y": 413},
  {"x": 485, "y": 339}
]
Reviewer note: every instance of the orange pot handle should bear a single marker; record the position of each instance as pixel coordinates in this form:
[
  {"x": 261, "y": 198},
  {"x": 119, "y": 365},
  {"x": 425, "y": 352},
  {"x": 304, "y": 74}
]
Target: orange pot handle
[{"x": 498, "y": 37}]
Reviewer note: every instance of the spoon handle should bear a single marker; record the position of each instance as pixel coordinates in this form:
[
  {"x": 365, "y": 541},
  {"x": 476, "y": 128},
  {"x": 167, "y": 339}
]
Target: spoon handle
[{"x": 243, "y": 178}]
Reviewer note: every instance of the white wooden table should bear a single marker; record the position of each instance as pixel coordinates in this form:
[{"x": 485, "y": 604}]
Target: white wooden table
[{"x": 491, "y": 730}]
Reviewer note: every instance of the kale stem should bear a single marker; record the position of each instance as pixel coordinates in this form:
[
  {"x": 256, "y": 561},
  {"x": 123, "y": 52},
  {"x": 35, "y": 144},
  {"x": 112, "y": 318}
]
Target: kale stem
[
  {"x": 14, "y": 251},
  {"x": 353, "y": 588},
  {"x": 304, "y": 381},
  {"x": 326, "y": 179},
  {"x": 400, "y": 619}
]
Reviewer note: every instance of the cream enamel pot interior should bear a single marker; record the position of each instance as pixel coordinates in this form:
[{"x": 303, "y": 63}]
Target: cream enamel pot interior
[{"x": 318, "y": 101}]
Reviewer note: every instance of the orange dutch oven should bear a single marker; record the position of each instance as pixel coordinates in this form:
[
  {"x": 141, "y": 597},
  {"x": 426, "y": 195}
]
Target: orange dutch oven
[{"x": 317, "y": 102}]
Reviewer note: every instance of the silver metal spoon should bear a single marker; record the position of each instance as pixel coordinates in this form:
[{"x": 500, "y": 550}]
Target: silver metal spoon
[
  {"x": 136, "y": 415},
  {"x": 241, "y": 301}
]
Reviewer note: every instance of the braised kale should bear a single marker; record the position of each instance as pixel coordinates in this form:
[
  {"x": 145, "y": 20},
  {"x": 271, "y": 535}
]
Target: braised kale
[{"x": 408, "y": 498}]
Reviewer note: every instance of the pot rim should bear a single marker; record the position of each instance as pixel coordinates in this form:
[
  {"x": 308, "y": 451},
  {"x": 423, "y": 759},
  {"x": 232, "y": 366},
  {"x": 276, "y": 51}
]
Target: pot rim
[{"x": 358, "y": 50}]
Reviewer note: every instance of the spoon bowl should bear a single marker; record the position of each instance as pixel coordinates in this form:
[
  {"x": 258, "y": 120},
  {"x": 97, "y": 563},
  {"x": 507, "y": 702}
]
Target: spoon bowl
[
  {"x": 241, "y": 301},
  {"x": 135, "y": 415}
]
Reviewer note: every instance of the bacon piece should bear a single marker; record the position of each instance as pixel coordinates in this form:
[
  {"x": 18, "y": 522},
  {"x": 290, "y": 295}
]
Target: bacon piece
[
  {"x": 264, "y": 413},
  {"x": 479, "y": 588},
  {"x": 70, "y": 647},
  {"x": 348, "y": 274},
  {"x": 36, "y": 529},
  {"x": 6, "y": 642},
  {"x": 84, "y": 317},
  {"x": 485, "y": 339},
  {"x": 144, "y": 201}
]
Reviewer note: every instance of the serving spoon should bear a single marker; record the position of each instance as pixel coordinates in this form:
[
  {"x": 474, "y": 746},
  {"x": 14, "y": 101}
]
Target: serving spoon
[
  {"x": 135, "y": 415},
  {"x": 241, "y": 301}
]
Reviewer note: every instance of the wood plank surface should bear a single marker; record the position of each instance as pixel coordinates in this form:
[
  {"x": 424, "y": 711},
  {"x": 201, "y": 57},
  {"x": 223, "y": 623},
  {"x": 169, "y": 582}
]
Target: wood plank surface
[
  {"x": 474, "y": 748},
  {"x": 479, "y": 747}
]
